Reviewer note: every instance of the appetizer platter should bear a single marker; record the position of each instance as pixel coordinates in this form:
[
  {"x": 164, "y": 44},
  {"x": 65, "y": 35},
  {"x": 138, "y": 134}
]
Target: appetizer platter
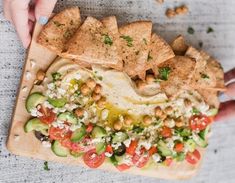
[{"x": 115, "y": 98}]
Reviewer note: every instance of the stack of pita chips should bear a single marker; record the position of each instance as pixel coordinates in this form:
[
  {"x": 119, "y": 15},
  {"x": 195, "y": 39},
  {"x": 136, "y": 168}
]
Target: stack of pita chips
[{"x": 133, "y": 49}]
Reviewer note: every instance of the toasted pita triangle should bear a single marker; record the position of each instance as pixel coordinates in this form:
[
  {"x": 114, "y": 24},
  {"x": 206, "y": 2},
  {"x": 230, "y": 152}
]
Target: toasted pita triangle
[
  {"x": 208, "y": 73},
  {"x": 210, "y": 97},
  {"x": 135, "y": 42},
  {"x": 179, "y": 45},
  {"x": 180, "y": 71},
  {"x": 93, "y": 43},
  {"x": 60, "y": 29},
  {"x": 160, "y": 51}
]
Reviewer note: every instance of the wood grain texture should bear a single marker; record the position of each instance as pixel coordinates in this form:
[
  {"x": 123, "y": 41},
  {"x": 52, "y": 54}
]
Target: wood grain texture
[{"x": 218, "y": 165}]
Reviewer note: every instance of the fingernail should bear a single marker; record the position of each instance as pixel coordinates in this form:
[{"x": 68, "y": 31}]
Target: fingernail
[{"x": 43, "y": 20}]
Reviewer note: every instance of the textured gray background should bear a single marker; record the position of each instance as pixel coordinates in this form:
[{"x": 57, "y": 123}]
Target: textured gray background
[{"x": 218, "y": 165}]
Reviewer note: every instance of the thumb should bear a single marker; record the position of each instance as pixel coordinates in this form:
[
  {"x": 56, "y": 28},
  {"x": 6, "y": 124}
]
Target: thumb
[
  {"x": 226, "y": 111},
  {"x": 43, "y": 10}
]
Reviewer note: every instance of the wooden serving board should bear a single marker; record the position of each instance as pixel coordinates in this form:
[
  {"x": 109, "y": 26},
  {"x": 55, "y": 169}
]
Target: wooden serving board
[{"x": 26, "y": 144}]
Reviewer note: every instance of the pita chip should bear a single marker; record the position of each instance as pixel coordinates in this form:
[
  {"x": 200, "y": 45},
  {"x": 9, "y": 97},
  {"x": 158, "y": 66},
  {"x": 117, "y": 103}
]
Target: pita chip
[
  {"x": 179, "y": 45},
  {"x": 60, "y": 29}
]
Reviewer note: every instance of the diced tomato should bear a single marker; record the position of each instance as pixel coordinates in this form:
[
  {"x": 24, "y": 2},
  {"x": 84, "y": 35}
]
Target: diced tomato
[
  {"x": 179, "y": 147},
  {"x": 123, "y": 167},
  {"x": 109, "y": 149},
  {"x": 152, "y": 150},
  {"x": 66, "y": 142},
  {"x": 92, "y": 159},
  {"x": 193, "y": 157},
  {"x": 141, "y": 159},
  {"x": 89, "y": 128},
  {"x": 168, "y": 161},
  {"x": 199, "y": 122},
  {"x": 48, "y": 116},
  {"x": 166, "y": 132},
  {"x": 59, "y": 134},
  {"x": 132, "y": 147}
]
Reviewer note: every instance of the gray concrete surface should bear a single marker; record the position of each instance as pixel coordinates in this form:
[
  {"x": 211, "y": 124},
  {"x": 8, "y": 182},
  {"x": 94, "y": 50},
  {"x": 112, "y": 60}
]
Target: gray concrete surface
[{"x": 219, "y": 162}]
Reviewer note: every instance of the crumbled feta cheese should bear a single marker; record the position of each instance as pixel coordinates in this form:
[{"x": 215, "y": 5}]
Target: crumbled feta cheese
[
  {"x": 121, "y": 118},
  {"x": 35, "y": 113},
  {"x": 156, "y": 157},
  {"x": 47, "y": 104},
  {"x": 51, "y": 86},
  {"x": 46, "y": 144},
  {"x": 24, "y": 88},
  {"x": 107, "y": 154},
  {"x": 107, "y": 128},
  {"x": 71, "y": 106},
  {"x": 127, "y": 142},
  {"x": 170, "y": 143},
  {"x": 61, "y": 91},
  {"x": 145, "y": 143},
  {"x": 97, "y": 140},
  {"x": 116, "y": 145},
  {"x": 127, "y": 160},
  {"x": 93, "y": 155},
  {"x": 170, "y": 123},
  {"x": 75, "y": 127},
  {"x": 28, "y": 75},
  {"x": 104, "y": 114},
  {"x": 58, "y": 124}
]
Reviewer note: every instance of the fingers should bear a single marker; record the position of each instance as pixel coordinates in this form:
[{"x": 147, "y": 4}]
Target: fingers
[
  {"x": 19, "y": 17},
  {"x": 226, "y": 111},
  {"x": 6, "y": 9},
  {"x": 228, "y": 76},
  {"x": 230, "y": 90},
  {"x": 43, "y": 10}
]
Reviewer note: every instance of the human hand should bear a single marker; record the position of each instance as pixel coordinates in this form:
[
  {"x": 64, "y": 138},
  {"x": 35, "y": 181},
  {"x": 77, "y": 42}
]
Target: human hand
[
  {"x": 23, "y": 13},
  {"x": 227, "y": 109}
]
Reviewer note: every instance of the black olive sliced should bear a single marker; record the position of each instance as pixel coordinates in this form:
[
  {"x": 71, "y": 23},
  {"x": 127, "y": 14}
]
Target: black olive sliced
[
  {"x": 120, "y": 150},
  {"x": 40, "y": 136}
]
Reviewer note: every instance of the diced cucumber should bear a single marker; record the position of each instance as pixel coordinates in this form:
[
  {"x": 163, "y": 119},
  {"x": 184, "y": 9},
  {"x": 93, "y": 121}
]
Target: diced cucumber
[
  {"x": 100, "y": 147},
  {"x": 185, "y": 132},
  {"x": 119, "y": 137},
  {"x": 76, "y": 154},
  {"x": 33, "y": 100},
  {"x": 98, "y": 132},
  {"x": 199, "y": 141},
  {"x": 59, "y": 102},
  {"x": 204, "y": 132},
  {"x": 190, "y": 145},
  {"x": 59, "y": 150},
  {"x": 35, "y": 124},
  {"x": 78, "y": 134},
  {"x": 180, "y": 156},
  {"x": 165, "y": 151},
  {"x": 212, "y": 112},
  {"x": 68, "y": 117}
]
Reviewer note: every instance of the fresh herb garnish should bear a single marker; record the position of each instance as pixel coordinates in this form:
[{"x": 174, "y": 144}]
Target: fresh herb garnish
[
  {"x": 200, "y": 44},
  {"x": 58, "y": 24},
  {"x": 149, "y": 57},
  {"x": 107, "y": 40},
  {"x": 209, "y": 30},
  {"x": 46, "y": 166},
  {"x": 164, "y": 73},
  {"x": 100, "y": 78},
  {"x": 128, "y": 39},
  {"x": 137, "y": 129},
  {"x": 56, "y": 76},
  {"x": 204, "y": 76},
  {"x": 145, "y": 41},
  {"x": 190, "y": 30},
  {"x": 195, "y": 111},
  {"x": 77, "y": 93}
]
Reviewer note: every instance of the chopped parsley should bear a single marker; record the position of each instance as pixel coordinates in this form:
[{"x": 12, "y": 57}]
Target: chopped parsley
[
  {"x": 164, "y": 73},
  {"x": 190, "y": 30},
  {"x": 58, "y": 24},
  {"x": 137, "y": 129},
  {"x": 149, "y": 57},
  {"x": 128, "y": 39},
  {"x": 204, "y": 76},
  {"x": 56, "y": 76},
  {"x": 209, "y": 30},
  {"x": 46, "y": 166},
  {"x": 107, "y": 40},
  {"x": 195, "y": 111},
  {"x": 145, "y": 41},
  {"x": 200, "y": 44}
]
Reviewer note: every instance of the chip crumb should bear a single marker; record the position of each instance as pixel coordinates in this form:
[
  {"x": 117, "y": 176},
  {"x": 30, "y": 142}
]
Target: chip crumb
[
  {"x": 16, "y": 137},
  {"x": 181, "y": 10},
  {"x": 170, "y": 13},
  {"x": 32, "y": 63},
  {"x": 40, "y": 75},
  {"x": 24, "y": 88}
]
